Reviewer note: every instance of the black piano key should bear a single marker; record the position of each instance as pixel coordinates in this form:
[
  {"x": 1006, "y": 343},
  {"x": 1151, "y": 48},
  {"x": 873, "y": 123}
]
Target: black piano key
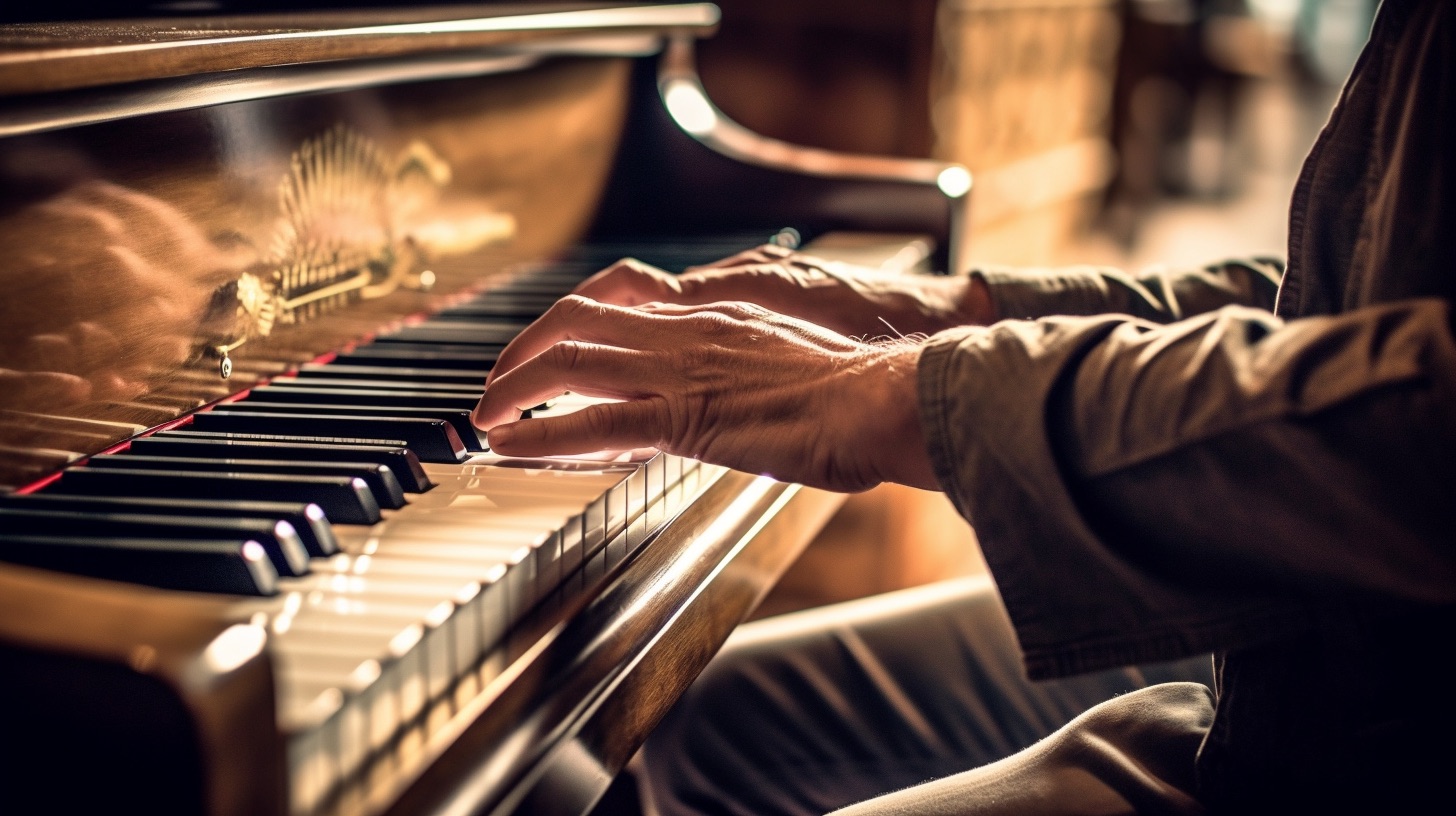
[
  {"x": 285, "y": 392},
  {"x": 432, "y": 440},
  {"x": 444, "y": 389},
  {"x": 510, "y": 307},
  {"x": 404, "y": 464},
  {"x": 278, "y": 538},
  {"x": 421, "y": 355},
  {"x": 308, "y": 520},
  {"x": 233, "y": 567},
  {"x": 344, "y": 499},
  {"x": 311, "y": 372},
  {"x": 451, "y": 334},
  {"x": 382, "y": 483},
  {"x": 459, "y": 418}
]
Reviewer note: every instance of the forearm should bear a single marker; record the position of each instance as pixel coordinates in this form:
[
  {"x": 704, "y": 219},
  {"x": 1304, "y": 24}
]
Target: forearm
[{"x": 1144, "y": 492}]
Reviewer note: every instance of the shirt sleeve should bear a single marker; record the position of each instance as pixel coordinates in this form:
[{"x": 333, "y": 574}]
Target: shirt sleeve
[
  {"x": 1144, "y": 492},
  {"x": 1160, "y": 294}
]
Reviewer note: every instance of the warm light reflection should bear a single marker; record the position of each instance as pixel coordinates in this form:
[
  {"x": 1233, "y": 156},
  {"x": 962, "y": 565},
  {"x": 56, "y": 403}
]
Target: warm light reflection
[
  {"x": 235, "y": 646},
  {"x": 689, "y": 107},
  {"x": 364, "y": 674},
  {"x": 401, "y": 643},
  {"x": 253, "y": 551},
  {"x": 954, "y": 181},
  {"x": 440, "y": 613}
]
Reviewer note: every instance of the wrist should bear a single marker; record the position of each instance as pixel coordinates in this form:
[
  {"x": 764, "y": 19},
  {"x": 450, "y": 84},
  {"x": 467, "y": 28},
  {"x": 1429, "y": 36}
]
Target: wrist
[
  {"x": 902, "y": 456},
  {"x": 977, "y": 307}
]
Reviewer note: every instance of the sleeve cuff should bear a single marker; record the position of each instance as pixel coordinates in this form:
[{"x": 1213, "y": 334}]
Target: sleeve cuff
[{"x": 1026, "y": 293}]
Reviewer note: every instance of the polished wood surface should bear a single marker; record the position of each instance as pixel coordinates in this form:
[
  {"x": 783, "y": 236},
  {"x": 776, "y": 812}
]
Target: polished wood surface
[
  {"x": 41, "y": 57},
  {"x": 167, "y": 671}
]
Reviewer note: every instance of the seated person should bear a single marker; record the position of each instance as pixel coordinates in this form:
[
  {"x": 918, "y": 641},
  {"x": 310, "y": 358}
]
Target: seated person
[{"x": 1157, "y": 467}]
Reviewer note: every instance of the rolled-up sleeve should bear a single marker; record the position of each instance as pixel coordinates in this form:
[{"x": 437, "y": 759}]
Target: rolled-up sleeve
[
  {"x": 1159, "y": 293},
  {"x": 1148, "y": 491}
]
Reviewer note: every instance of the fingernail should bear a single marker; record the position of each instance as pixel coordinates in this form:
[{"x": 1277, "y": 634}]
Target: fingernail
[{"x": 498, "y": 436}]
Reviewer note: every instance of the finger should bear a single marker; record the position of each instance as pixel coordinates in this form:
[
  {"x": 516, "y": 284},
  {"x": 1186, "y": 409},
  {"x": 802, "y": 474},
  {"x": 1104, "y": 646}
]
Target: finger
[
  {"x": 611, "y": 426},
  {"x": 581, "y": 368},
  {"x": 736, "y": 309},
  {"x": 572, "y": 318},
  {"x": 629, "y": 282}
]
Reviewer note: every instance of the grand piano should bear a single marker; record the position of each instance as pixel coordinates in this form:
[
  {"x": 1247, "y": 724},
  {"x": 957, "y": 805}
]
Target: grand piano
[{"x": 253, "y": 558}]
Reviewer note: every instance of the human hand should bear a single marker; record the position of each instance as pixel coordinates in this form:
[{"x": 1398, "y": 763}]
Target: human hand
[
  {"x": 727, "y": 383},
  {"x": 852, "y": 300}
]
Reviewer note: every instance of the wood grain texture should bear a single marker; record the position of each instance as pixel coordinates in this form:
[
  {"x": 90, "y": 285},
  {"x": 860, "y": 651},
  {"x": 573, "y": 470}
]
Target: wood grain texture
[{"x": 38, "y": 58}]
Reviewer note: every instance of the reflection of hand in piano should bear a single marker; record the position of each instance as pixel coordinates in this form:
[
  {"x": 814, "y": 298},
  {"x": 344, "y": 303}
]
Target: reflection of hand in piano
[
  {"x": 100, "y": 262},
  {"x": 728, "y": 383},
  {"x": 852, "y": 300}
]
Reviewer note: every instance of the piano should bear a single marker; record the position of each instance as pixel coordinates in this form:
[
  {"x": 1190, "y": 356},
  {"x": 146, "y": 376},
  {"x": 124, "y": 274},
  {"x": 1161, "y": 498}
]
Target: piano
[{"x": 253, "y": 558}]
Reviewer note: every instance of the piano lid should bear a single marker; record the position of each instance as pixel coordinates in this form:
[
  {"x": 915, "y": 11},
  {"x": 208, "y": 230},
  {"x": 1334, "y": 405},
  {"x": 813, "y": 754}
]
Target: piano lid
[{"x": 46, "y": 57}]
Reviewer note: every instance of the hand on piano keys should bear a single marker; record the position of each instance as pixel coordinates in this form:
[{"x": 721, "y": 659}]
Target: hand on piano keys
[
  {"x": 857, "y": 301},
  {"x": 731, "y": 383}
]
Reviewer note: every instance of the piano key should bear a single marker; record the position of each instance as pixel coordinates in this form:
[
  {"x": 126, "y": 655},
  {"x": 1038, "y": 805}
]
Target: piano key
[
  {"x": 237, "y": 567},
  {"x": 518, "y": 552},
  {"x": 382, "y": 483},
  {"x": 279, "y": 539},
  {"x": 402, "y": 463},
  {"x": 307, "y": 519},
  {"x": 524, "y": 307},
  {"x": 421, "y": 355},
  {"x": 444, "y": 389},
  {"x": 409, "y": 643},
  {"x": 309, "y": 372},
  {"x": 459, "y": 418},
  {"x": 455, "y": 334},
  {"x": 486, "y": 592},
  {"x": 452, "y": 591},
  {"x": 283, "y": 392},
  {"x": 432, "y": 440},
  {"x": 344, "y": 499}
]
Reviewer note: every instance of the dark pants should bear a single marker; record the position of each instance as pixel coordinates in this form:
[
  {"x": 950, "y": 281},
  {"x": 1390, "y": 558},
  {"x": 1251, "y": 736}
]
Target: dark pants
[{"x": 814, "y": 711}]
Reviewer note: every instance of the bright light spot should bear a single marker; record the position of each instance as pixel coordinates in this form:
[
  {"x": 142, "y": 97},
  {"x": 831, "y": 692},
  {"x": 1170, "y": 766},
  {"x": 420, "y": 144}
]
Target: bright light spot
[
  {"x": 235, "y": 646},
  {"x": 364, "y": 674},
  {"x": 954, "y": 181},
  {"x": 253, "y": 551},
  {"x": 441, "y": 613},
  {"x": 689, "y": 108},
  {"x": 314, "y": 512},
  {"x": 401, "y": 643}
]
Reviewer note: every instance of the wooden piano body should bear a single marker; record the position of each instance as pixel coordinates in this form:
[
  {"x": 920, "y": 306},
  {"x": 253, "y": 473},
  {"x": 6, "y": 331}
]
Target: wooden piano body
[{"x": 193, "y": 207}]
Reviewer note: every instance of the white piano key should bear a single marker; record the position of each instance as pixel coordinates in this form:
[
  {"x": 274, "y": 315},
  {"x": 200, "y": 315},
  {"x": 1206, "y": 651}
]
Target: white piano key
[{"x": 488, "y": 573}]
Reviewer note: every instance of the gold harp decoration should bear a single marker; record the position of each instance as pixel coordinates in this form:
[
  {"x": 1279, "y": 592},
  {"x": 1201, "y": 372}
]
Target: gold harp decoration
[{"x": 337, "y": 240}]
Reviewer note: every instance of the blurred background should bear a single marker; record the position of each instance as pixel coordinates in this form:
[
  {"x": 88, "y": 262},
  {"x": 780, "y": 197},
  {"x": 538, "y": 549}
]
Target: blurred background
[{"x": 1124, "y": 132}]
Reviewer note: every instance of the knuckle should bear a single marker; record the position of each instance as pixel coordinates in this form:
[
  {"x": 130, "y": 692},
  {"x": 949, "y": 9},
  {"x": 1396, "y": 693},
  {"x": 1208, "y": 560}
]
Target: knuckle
[
  {"x": 600, "y": 422},
  {"x": 566, "y": 354}
]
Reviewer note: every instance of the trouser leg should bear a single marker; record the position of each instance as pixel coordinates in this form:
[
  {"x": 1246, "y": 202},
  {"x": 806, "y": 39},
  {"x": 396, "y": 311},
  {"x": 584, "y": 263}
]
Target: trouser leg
[{"x": 809, "y": 712}]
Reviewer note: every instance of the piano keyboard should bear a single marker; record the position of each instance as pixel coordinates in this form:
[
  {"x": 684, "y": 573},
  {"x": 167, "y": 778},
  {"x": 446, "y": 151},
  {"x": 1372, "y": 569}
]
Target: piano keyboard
[{"x": 360, "y": 522}]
